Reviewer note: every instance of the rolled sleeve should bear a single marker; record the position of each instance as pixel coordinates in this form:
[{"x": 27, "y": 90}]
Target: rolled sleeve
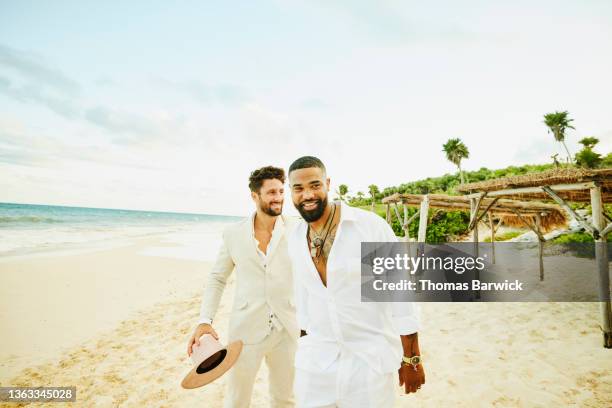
[{"x": 406, "y": 317}]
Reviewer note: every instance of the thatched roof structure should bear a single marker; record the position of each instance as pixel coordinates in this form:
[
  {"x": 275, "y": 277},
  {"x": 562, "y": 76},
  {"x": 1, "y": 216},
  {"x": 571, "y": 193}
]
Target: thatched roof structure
[
  {"x": 569, "y": 183},
  {"x": 552, "y": 216}
]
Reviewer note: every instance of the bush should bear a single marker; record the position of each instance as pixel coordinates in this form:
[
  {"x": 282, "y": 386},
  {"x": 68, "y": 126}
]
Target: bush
[
  {"x": 576, "y": 237},
  {"x": 505, "y": 236}
]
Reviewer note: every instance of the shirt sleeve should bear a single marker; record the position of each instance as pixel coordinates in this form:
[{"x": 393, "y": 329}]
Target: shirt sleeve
[
  {"x": 215, "y": 284},
  {"x": 405, "y": 315},
  {"x": 299, "y": 291}
]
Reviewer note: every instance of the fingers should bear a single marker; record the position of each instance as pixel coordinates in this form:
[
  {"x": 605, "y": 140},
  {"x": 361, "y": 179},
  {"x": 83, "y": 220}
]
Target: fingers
[
  {"x": 214, "y": 333},
  {"x": 189, "y": 344}
]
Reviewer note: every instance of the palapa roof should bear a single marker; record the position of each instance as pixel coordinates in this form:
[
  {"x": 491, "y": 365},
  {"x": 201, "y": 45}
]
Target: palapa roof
[
  {"x": 552, "y": 216},
  {"x": 569, "y": 183}
]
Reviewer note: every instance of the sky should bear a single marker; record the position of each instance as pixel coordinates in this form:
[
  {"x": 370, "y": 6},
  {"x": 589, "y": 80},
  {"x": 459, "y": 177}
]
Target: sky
[{"x": 139, "y": 105}]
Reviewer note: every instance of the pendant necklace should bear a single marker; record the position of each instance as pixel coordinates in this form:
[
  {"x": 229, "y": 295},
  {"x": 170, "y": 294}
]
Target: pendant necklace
[{"x": 316, "y": 243}]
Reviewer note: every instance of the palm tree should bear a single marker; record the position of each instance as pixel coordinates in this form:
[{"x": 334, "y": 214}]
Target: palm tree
[
  {"x": 342, "y": 190},
  {"x": 373, "y": 190},
  {"x": 589, "y": 142},
  {"x": 558, "y": 123},
  {"x": 587, "y": 157},
  {"x": 455, "y": 152}
]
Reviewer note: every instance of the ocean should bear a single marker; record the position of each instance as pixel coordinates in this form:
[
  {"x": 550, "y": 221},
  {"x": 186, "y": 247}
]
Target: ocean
[{"x": 26, "y": 228}]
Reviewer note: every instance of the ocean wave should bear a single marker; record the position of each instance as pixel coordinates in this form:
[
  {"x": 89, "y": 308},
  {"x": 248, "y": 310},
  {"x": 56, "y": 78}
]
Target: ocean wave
[{"x": 28, "y": 219}]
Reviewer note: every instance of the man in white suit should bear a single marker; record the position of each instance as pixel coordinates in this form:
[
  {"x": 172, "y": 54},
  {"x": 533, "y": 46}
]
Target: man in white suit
[{"x": 263, "y": 313}]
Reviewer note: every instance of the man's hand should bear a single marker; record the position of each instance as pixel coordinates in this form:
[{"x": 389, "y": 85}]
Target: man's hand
[
  {"x": 201, "y": 330},
  {"x": 410, "y": 378}
]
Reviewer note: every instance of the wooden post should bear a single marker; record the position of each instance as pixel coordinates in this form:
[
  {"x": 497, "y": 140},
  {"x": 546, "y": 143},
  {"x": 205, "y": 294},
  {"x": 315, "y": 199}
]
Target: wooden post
[
  {"x": 405, "y": 223},
  {"x": 423, "y": 219},
  {"x": 601, "y": 257},
  {"x": 492, "y": 238},
  {"x": 388, "y": 214},
  {"x": 406, "y": 228},
  {"x": 538, "y": 223},
  {"x": 473, "y": 215}
]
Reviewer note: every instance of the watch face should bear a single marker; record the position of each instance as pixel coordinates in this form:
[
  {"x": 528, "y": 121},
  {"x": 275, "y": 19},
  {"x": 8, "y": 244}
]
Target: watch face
[{"x": 415, "y": 360}]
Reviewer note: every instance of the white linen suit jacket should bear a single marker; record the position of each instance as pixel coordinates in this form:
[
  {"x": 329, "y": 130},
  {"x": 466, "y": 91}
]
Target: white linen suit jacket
[{"x": 260, "y": 288}]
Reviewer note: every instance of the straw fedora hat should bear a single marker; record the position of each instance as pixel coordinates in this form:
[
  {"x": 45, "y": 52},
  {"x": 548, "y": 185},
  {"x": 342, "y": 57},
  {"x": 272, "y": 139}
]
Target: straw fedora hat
[{"x": 210, "y": 360}]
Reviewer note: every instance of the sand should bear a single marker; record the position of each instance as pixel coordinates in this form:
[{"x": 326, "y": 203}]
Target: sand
[{"x": 115, "y": 322}]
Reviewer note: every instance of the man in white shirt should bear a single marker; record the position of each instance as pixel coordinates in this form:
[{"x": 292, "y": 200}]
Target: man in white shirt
[
  {"x": 263, "y": 314},
  {"x": 349, "y": 351}
]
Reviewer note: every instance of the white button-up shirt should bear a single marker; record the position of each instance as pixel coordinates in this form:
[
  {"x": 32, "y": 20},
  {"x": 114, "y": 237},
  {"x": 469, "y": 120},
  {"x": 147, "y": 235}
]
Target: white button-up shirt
[
  {"x": 334, "y": 317},
  {"x": 273, "y": 321}
]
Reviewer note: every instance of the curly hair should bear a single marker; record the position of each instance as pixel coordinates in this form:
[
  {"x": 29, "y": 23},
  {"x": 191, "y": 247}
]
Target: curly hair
[{"x": 258, "y": 176}]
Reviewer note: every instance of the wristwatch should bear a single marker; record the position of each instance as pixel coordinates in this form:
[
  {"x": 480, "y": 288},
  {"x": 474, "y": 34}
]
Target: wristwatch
[{"x": 413, "y": 361}]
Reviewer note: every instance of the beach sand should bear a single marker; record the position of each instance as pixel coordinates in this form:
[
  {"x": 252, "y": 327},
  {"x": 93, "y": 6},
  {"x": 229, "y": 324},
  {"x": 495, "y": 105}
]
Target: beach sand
[{"x": 115, "y": 323}]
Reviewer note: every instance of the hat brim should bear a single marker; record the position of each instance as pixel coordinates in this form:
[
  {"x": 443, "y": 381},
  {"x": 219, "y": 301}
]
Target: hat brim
[{"x": 195, "y": 380}]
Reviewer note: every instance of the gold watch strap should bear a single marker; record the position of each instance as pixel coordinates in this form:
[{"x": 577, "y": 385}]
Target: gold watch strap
[{"x": 408, "y": 360}]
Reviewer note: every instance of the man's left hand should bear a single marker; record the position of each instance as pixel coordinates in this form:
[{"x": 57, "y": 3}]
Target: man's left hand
[{"x": 410, "y": 378}]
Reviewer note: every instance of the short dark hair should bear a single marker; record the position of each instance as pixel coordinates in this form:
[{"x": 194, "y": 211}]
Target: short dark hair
[
  {"x": 258, "y": 176},
  {"x": 306, "y": 162}
]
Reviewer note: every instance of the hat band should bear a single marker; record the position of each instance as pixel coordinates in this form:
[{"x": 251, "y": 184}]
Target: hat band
[{"x": 211, "y": 362}]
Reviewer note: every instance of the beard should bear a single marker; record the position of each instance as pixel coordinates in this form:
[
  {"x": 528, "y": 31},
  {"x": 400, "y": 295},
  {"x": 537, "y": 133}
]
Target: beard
[
  {"x": 266, "y": 208},
  {"x": 314, "y": 214}
]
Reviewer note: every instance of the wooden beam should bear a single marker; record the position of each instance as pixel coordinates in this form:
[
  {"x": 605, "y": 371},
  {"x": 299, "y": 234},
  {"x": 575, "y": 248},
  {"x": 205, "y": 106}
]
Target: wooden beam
[
  {"x": 499, "y": 222},
  {"x": 527, "y": 190},
  {"x": 531, "y": 227},
  {"x": 397, "y": 214},
  {"x": 413, "y": 217},
  {"x": 571, "y": 212},
  {"x": 606, "y": 230},
  {"x": 485, "y": 211},
  {"x": 474, "y": 220}
]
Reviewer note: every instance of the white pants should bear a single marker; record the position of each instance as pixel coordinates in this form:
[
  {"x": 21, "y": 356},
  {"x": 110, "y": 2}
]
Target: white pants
[
  {"x": 278, "y": 349},
  {"x": 348, "y": 382}
]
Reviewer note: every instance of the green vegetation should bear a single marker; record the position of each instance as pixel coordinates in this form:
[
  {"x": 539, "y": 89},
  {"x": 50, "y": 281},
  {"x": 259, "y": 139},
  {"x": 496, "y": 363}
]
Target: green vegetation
[
  {"x": 505, "y": 236},
  {"x": 342, "y": 191},
  {"x": 587, "y": 157},
  {"x": 576, "y": 237},
  {"x": 446, "y": 226},
  {"x": 446, "y": 184}
]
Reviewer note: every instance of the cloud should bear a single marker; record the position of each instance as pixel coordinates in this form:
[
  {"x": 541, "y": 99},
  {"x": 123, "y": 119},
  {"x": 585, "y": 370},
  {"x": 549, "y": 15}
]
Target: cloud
[
  {"x": 394, "y": 22},
  {"x": 29, "y": 79},
  {"x": 223, "y": 94},
  {"x": 314, "y": 104},
  {"x": 119, "y": 122},
  {"x": 34, "y": 92},
  {"x": 33, "y": 67}
]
